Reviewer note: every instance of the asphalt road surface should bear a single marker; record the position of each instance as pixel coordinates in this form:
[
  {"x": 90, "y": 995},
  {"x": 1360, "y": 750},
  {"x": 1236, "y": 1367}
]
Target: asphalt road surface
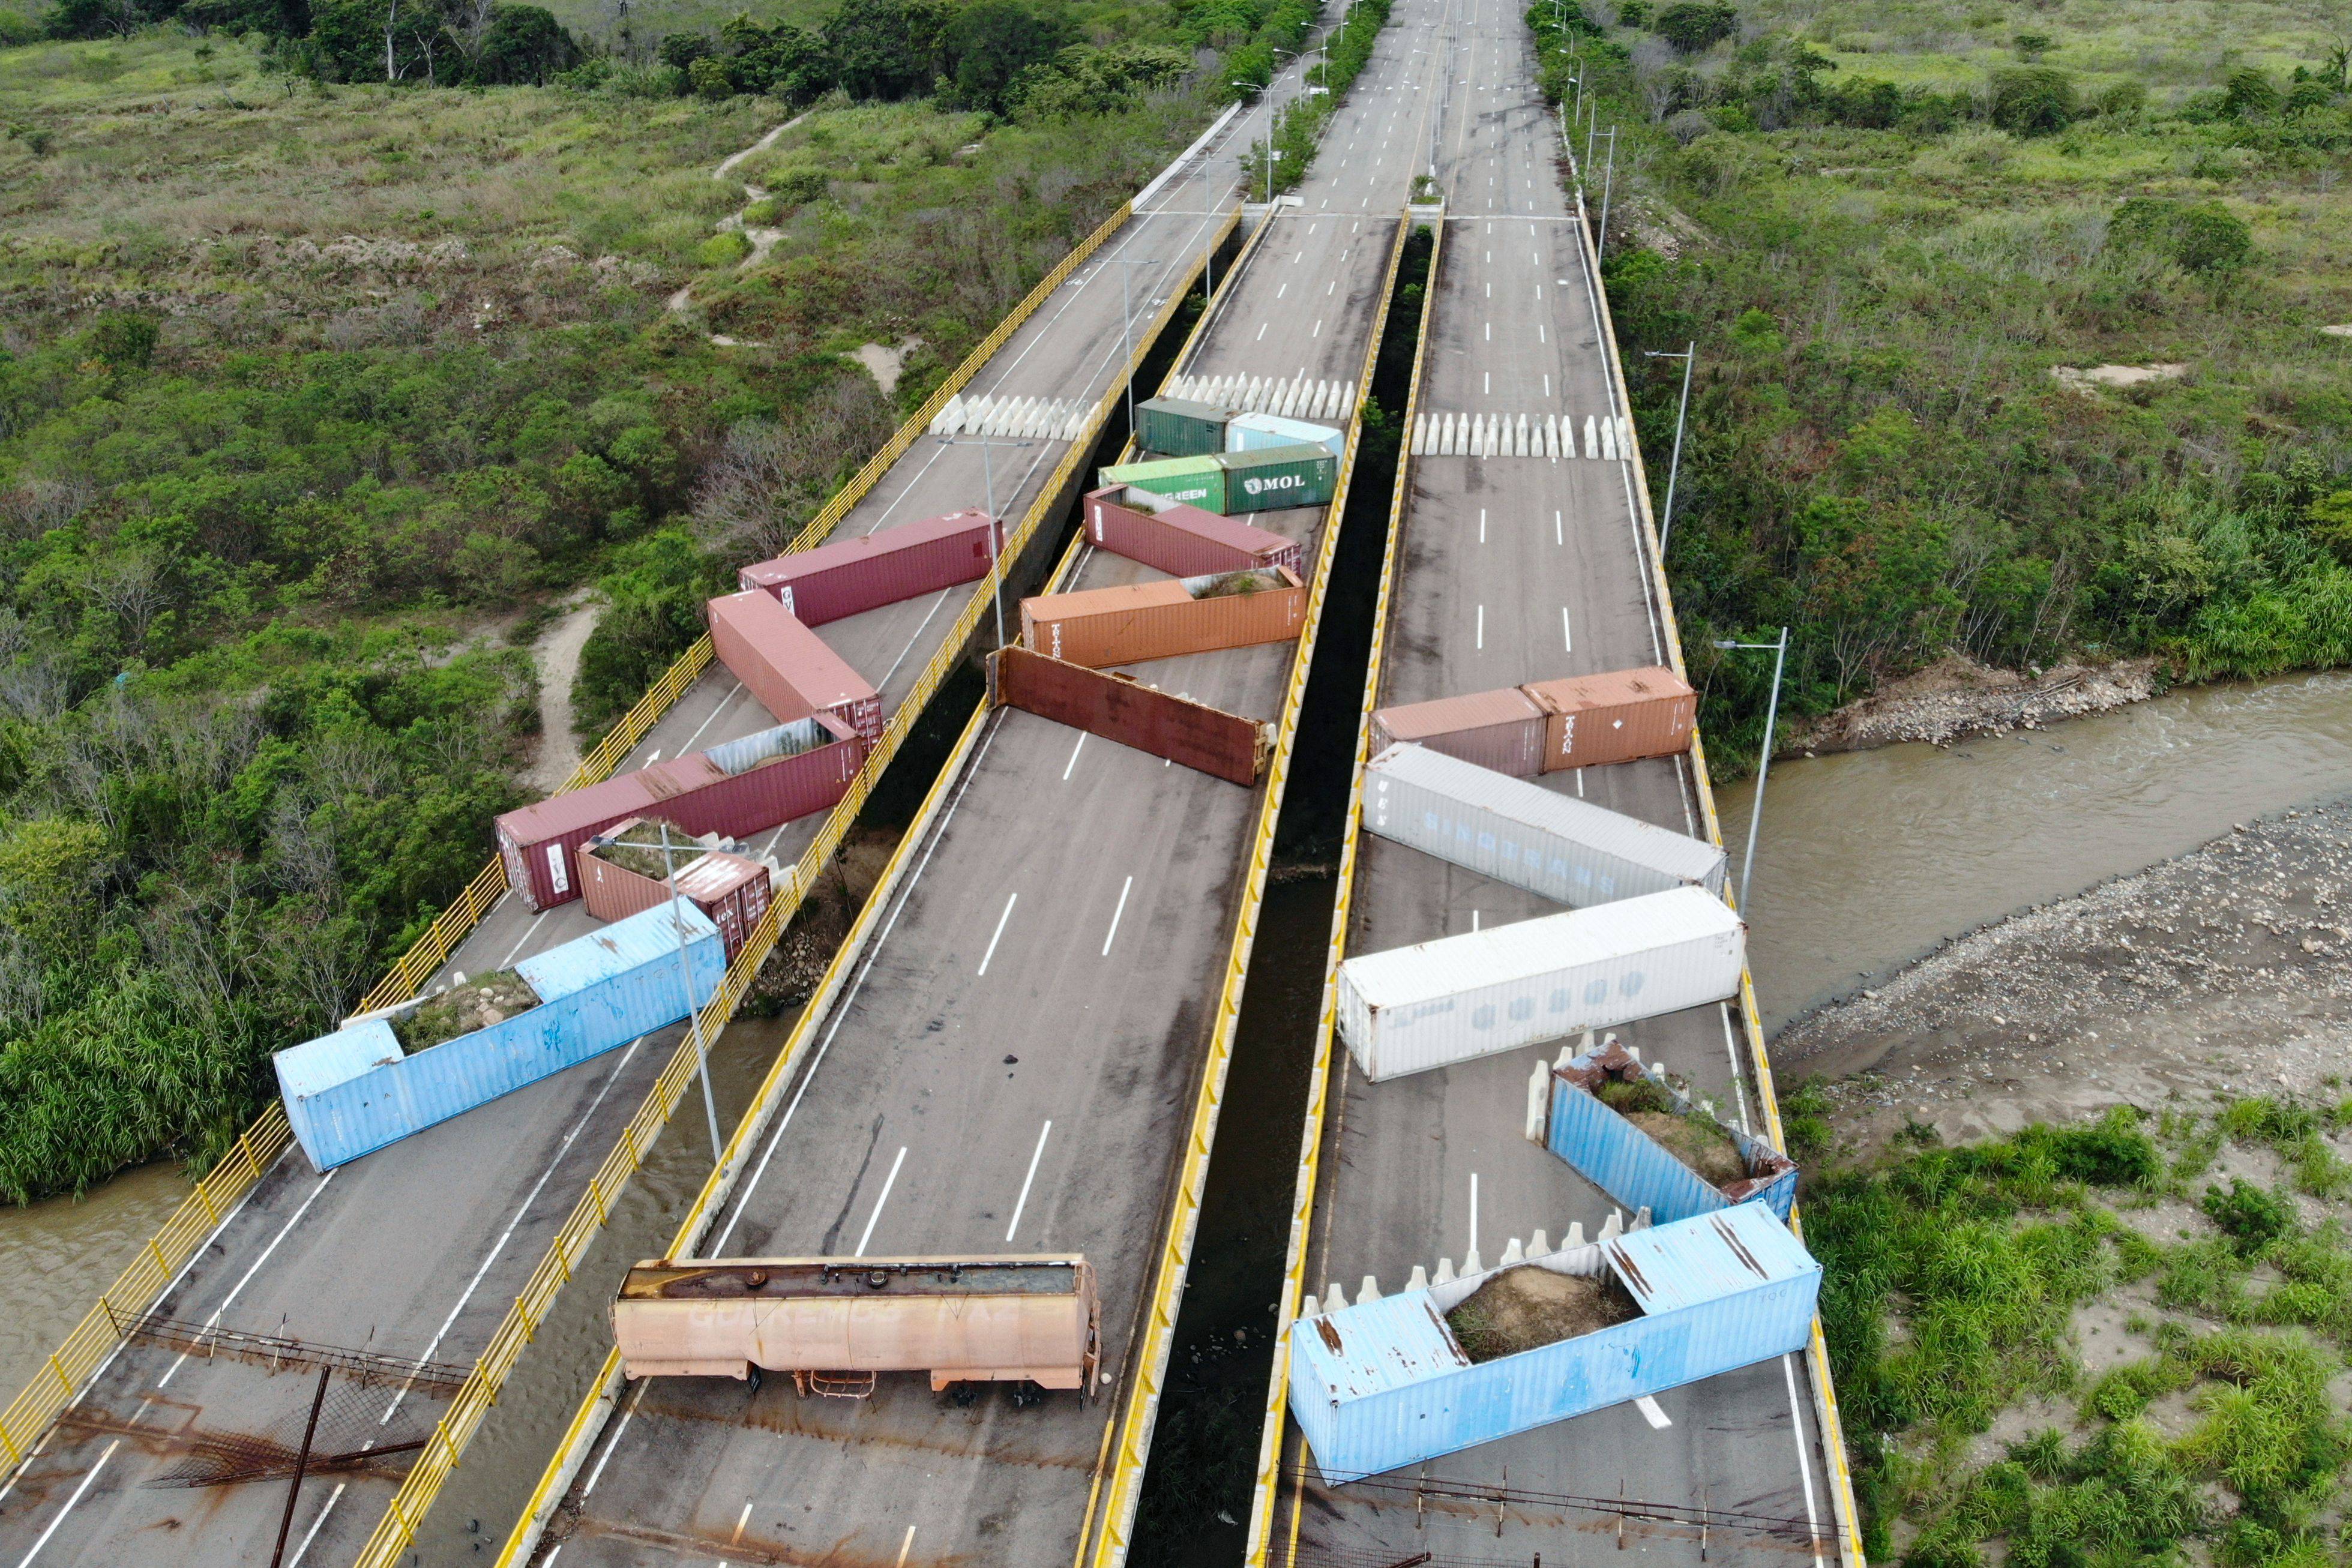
[
  {"x": 1513, "y": 569},
  {"x": 418, "y": 1249},
  {"x": 1013, "y": 1064}
]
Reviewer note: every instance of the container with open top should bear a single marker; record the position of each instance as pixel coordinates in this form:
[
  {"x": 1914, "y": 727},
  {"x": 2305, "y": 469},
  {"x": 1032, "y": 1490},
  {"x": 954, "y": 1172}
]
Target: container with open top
[
  {"x": 849, "y": 577},
  {"x": 787, "y": 666},
  {"x": 1268, "y": 480},
  {"x": 1101, "y": 627},
  {"x": 1520, "y": 833},
  {"x": 624, "y": 871},
  {"x": 834, "y": 1323},
  {"x": 1391, "y": 1382},
  {"x": 1626, "y": 1126},
  {"x": 1470, "y": 995},
  {"x": 1621, "y": 715},
  {"x": 1179, "y": 539}
]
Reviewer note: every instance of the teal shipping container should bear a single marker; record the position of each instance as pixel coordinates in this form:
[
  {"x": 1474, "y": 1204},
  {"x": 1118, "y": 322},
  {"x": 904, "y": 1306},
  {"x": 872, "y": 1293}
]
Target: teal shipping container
[
  {"x": 1179, "y": 427},
  {"x": 352, "y": 1091},
  {"x": 1256, "y": 432},
  {"x": 1231, "y": 482}
]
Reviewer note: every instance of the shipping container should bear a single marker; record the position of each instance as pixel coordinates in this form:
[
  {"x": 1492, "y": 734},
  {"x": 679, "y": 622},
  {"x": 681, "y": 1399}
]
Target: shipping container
[
  {"x": 1386, "y": 1384},
  {"x": 1231, "y": 482},
  {"x": 732, "y": 889},
  {"x": 1104, "y": 626},
  {"x": 355, "y": 1091},
  {"x": 1179, "y": 427},
  {"x": 1522, "y": 834},
  {"x": 849, "y": 577},
  {"x": 1502, "y": 730},
  {"x": 1117, "y": 707},
  {"x": 1256, "y": 432},
  {"x": 834, "y": 1323},
  {"x": 1181, "y": 540},
  {"x": 1608, "y": 1149},
  {"x": 1620, "y": 716},
  {"x": 1472, "y": 994},
  {"x": 787, "y": 666},
  {"x": 742, "y": 788}
]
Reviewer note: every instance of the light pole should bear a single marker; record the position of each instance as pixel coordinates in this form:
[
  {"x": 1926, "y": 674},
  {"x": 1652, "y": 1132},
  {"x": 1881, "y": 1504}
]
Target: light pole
[
  {"x": 1608, "y": 181},
  {"x": 686, "y": 978},
  {"x": 1127, "y": 331},
  {"x": 1272, "y": 78},
  {"x": 1689, "y": 356},
  {"x": 996, "y": 524},
  {"x": 1764, "y": 761}
]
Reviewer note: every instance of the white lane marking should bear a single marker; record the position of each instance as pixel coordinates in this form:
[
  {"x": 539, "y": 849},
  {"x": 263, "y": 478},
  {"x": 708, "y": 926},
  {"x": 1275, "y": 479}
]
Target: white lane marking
[
  {"x": 86, "y": 1480},
  {"x": 883, "y": 684},
  {"x": 1281, "y": 292},
  {"x": 1473, "y": 920},
  {"x": 520, "y": 1210},
  {"x": 1482, "y": 525},
  {"x": 1331, "y": 287},
  {"x": 311, "y": 1534},
  {"x": 1805, "y": 1460},
  {"x": 1558, "y": 538},
  {"x": 1474, "y": 1211},
  {"x": 1567, "y": 638},
  {"x": 1319, "y": 328},
  {"x": 1738, "y": 1084},
  {"x": 508, "y": 962},
  {"x": 1010, "y": 900},
  {"x": 1490, "y": 331},
  {"x": 723, "y": 703},
  {"x": 246, "y": 1278},
  {"x": 741, "y": 1519},
  {"x": 1547, "y": 386},
  {"x": 1489, "y": 383},
  {"x": 1128, "y": 886},
  {"x": 905, "y": 1546},
  {"x": 1651, "y": 1413},
  {"x": 1482, "y": 626},
  {"x": 1035, "y": 1154},
  {"x": 1261, "y": 335},
  {"x": 1074, "y": 757},
  {"x": 888, "y": 1182},
  {"x": 614, "y": 1446}
]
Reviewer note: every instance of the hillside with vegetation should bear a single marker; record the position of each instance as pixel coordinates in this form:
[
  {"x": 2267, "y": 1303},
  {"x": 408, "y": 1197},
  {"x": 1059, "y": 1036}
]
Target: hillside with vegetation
[
  {"x": 321, "y": 392},
  {"x": 2013, "y": 326}
]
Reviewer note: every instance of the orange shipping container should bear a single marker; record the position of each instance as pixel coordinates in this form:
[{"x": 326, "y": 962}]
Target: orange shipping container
[
  {"x": 1618, "y": 716},
  {"x": 1106, "y": 626}
]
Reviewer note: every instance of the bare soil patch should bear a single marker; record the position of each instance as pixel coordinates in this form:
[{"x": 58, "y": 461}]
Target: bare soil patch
[
  {"x": 1704, "y": 1148},
  {"x": 1523, "y": 1308}
]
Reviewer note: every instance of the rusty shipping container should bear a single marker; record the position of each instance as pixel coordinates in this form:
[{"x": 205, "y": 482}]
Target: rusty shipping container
[
  {"x": 1179, "y": 427},
  {"x": 787, "y": 666},
  {"x": 834, "y": 1323},
  {"x": 1117, "y": 707},
  {"x": 1128, "y": 626},
  {"x": 1181, "y": 540},
  {"x": 849, "y": 577},
  {"x": 742, "y": 788},
  {"x": 1503, "y": 729},
  {"x": 1619, "y": 717},
  {"x": 732, "y": 889}
]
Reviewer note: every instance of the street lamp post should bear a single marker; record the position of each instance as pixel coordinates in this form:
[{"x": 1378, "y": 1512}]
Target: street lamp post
[
  {"x": 686, "y": 978},
  {"x": 1764, "y": 761},
  {"x": 1674, "y": 468},
  {"x": 988, "y": 478},
  {"x": 1279, "y": 56},
  {"x": 1608, "y": 183},
  {"x": 1126, "y": 329}
]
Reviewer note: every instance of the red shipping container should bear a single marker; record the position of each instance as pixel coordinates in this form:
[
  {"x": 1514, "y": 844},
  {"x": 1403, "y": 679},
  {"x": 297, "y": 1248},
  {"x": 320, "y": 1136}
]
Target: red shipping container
[
  {"x": 1117, "y": 708},
  {"x": 1619, "y": 717},
  {"x": 740, "y": 789},
  {"x": 1503, "y": 729},
  {"x": 1181, "y": 540},
  {"x": 1105, "y": 626},
  {"x": 787, "y": 666},
  {"x": 731, "y": 889},
  {"x": 847, "y": 577}
]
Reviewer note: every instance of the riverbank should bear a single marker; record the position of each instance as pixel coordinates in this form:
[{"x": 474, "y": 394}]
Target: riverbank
[
  {"x": 1956, "y": 698},
  {"x": 2218, "y": 973}
]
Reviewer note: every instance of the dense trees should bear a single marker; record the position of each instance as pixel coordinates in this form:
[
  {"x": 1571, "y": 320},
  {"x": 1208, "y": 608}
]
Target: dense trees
[{"x": 446, "y": 42}]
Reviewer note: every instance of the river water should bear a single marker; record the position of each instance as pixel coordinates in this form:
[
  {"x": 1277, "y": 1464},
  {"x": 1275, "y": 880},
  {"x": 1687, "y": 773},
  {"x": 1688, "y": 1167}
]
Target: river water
[{"x": 1865, "y": 861}]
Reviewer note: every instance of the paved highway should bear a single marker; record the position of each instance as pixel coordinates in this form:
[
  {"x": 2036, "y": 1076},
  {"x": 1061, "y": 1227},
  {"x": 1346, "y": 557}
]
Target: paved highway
[
  {"x": 417, "y": 1250},
  {"x": 1512, "y": 569},
  {"x": 1013, "y": 1064}
]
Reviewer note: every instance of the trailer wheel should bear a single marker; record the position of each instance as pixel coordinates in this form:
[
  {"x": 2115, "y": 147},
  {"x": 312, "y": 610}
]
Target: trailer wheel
[
  {"x": 752, "y": 1376},
  {"x": 965, "y": 1394}
]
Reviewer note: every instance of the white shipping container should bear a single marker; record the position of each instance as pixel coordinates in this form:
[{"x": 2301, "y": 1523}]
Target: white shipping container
[
  {"x": 1256, "y": 432},
  {"x": 1460, "y": 998},
  {"x": 1520, "y": 833}
]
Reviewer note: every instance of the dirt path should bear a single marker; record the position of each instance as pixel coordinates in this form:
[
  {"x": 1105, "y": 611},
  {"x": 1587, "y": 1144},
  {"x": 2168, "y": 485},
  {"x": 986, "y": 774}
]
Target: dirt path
[
  {"x": 763, "y": 240},
  {"x": 557, "y": 652}
]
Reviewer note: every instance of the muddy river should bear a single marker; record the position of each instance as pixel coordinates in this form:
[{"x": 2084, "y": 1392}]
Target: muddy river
[{"x": 1865, "y": 861}]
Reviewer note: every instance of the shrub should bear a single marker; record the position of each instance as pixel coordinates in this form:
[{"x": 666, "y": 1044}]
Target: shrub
[
  {"x": 2248, "y": 95},
  {"x": 2251, "y": 1217},
  {"x": 725, "y": 248},
  {"x": 2033, "y": 100},
  {"x": 1691, "y": 26}
]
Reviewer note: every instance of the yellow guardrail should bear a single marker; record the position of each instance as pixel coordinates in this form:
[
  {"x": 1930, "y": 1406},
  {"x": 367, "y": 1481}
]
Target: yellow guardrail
[
  {"x": 1310, "y": 1152},
  {"x": 1133, "y": 1445},
  {"x": 397, "y": 1530},
  {"x": 62, "y": 1377}
]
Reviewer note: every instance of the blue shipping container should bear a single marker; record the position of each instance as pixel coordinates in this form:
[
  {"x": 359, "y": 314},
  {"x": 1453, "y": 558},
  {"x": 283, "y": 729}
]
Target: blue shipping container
[
  {"x": 1384, "y": 1384},
  {"x": 1634, "y": 1168},
  {"x": 354, "y": 1091}
]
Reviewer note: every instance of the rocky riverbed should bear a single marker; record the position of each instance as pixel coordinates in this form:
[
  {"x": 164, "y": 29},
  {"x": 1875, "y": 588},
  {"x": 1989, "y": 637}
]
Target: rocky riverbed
[
  {"x": 2221, "y": 972},
  {"x": 1957, "y": 697}
]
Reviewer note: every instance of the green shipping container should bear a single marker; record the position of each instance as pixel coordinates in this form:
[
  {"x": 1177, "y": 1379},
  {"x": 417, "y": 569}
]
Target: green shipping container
[
  {"x": 1231, "y": 482},
  {"x": 1177, "y": 427}
]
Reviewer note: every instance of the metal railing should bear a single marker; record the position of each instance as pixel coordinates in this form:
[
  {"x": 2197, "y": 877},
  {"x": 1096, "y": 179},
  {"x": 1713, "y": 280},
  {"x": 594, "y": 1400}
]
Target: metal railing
[
  {"x": 1269, "y": 1454},
  {"x": 1133, "y": 1443}
]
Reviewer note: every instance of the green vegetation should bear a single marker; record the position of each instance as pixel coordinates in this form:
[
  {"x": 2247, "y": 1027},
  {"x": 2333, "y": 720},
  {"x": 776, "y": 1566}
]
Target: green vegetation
[
  {"x": 1887, "y": 227},
  {"x": 315, "y": 399},
  {"x": 1298, "y": 130},
  {"x": 1959, "y": 1286}
]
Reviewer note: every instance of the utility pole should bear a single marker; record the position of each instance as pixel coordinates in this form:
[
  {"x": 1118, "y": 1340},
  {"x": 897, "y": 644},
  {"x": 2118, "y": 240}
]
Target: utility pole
[
  {"x": 1126, "y": 338},
  {"x": 988, "y": 477},
  {"x": 1608, "y": 181},
  {"x": 1764, "y": 761},
  {"x": 1673, "y": 468},
  {"x": 686, "y": 978}
]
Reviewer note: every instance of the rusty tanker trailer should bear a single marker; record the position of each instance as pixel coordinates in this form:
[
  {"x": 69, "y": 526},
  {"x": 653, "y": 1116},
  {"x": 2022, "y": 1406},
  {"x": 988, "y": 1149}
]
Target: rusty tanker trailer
[{"x": 835, "y": 1323}]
